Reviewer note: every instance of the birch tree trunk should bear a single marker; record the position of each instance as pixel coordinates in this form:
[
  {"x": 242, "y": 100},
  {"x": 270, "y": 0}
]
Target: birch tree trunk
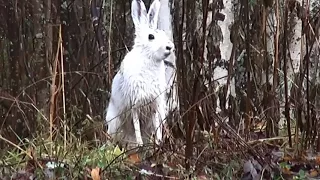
[
  {"x": 295, "y": 42},
  {"x": 295, "y": 49},
  {"x": 165, "y": 23},
  {"x": 315, "y": 32},
  {"x": 272, "y": 114},
  {"x": 312, "y": 83},
  {"x": 225, "y": 48}
]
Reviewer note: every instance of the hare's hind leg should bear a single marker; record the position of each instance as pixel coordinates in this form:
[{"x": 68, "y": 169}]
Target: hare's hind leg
[
  {"x": 112, "y": 119},
  {"x": 136, "y": 125},
  {"x": 159, "y": 120}
]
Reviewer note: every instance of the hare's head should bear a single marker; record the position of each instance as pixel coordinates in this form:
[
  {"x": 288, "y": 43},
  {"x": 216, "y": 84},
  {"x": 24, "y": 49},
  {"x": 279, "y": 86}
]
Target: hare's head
[{"x": 153, "y": 41}]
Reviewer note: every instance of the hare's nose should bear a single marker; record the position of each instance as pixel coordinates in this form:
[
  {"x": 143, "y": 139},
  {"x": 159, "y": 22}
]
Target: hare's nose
[{"x": 168, "y": 48}]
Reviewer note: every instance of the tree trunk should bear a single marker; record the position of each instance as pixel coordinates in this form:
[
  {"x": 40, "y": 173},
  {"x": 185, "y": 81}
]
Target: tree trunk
[{"x": 165, "y": 23}]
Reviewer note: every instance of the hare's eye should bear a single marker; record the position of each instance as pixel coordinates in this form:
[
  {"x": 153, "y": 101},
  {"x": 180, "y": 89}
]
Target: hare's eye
[{"x": 151, "y": 36}]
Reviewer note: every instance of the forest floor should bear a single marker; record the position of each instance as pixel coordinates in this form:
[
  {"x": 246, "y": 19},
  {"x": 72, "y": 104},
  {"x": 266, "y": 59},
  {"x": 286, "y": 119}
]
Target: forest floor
[{"x": 214, "y": 157}]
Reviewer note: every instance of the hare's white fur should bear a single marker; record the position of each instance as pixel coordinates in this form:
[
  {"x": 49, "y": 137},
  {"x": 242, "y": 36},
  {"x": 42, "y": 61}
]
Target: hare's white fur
[{"x": 138, "y": 89}]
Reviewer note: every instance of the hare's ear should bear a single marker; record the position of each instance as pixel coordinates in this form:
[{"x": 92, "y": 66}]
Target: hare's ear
[
  {"x": 153, "y": 14},
  {"x": 138, "y": 13}
]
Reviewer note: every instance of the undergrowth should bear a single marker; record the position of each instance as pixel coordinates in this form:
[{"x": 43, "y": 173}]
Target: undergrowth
[
  {"x": 79, "y": 158},
  {"x": 84, "y": 156}
]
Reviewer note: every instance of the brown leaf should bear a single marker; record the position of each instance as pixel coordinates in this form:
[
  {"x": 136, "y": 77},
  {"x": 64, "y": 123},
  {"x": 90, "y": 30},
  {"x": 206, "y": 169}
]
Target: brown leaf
[
  {"x": 202, "y": 177},
  {"x": 317, "y": 160},
  {"x": 286, "y": 170},
  {"x": 95, "y": 173},
  {"x": 287, "y": 158},
  {"x": 134, "y": 158},
  {"x": 313, "y": 173}
]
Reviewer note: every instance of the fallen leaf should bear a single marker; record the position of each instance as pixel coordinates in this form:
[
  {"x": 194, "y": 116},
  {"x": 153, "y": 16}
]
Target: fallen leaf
[
  {"x": 287, "y": 158},
  {"x": 117, "y": 151},
  {"x": 313, "y": 173},
  {"x": 134, "y": 158},
  {"x": 95, "y": 173},
  {"x": 317, "y": 160},
  {"x": 286, "y": 170},
  {"x": 202, "y": 177}
]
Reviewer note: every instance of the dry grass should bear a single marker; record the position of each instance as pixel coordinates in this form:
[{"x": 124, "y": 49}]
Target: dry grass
[{"x": 38, "y": 155}]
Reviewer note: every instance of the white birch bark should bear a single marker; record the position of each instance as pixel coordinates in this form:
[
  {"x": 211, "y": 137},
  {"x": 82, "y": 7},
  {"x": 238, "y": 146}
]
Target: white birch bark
[
  {"x": 271, "y": 34},
  {"x": 295, "y": 44},
  {"x": 314, "y": 76},
  {"x": 314, "y": 56},
  {"x": 270, "y": 30},
  {"x": 295, "y": 47},
  {"x": 221, "y": 74},
  {"x": 165, "y": 23}
]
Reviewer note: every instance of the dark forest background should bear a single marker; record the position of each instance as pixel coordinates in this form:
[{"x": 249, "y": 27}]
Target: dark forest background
[{"x": 58, "y": 58}]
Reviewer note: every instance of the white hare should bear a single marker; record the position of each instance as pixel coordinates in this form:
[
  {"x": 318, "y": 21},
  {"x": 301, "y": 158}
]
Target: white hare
[{"x": 137, "y": 105}]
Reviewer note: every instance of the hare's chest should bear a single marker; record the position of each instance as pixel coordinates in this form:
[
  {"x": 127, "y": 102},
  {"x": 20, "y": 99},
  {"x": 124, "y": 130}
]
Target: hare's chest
[
  {"x": 143, "y": 81},
  {"x": 139, "y": 88},
  {"x": 146, "y": 86}
]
